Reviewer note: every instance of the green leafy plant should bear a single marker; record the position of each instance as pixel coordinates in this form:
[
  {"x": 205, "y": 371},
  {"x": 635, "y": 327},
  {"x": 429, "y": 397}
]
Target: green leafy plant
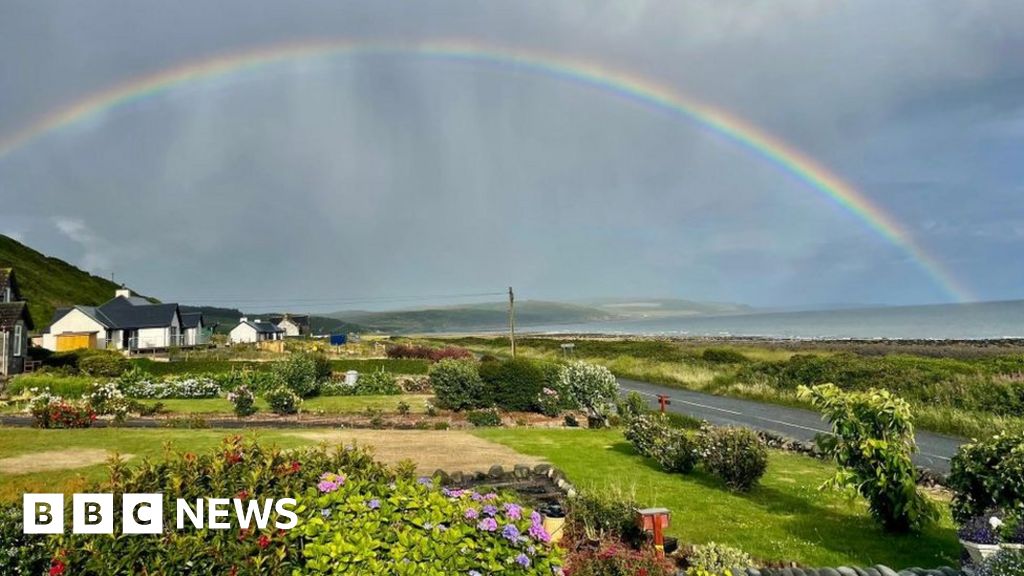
[
  {"x": 301, "y": 373},
  {"x": 654, "y": 436},
  {"x": 713, "y": 558},
  {"x": 735, "y": 455},
  {"x": 484, "y": 418},
  {"x": 378, "y": 382},
  {"x": 1004, "y": 563},
  {"x": 988, "y": 474},
  {"x": 283, "y": 400},
  {"x": 872, "y": 440},
  {"x": 590, "y": 387},
  {"x": 457, "y": 385},
  {"x": 633, "y": 405},
  {"x": 512, "y": 385},
  {"x": 403, "y": 408},
  {"x": 106, "y": 364},
  {"x": 243, "y": 401}
]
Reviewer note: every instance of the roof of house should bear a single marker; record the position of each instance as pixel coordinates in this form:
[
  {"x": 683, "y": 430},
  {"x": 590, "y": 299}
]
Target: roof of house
[
  {"x": 297, "y": 319},
  {"x": 191, "y": 319},
  {"x": 7, "y": 279},
  {"x": 262, "y": 327},
  {"x": 123, "y": 313},
  {"x": 11, "y": 312}
]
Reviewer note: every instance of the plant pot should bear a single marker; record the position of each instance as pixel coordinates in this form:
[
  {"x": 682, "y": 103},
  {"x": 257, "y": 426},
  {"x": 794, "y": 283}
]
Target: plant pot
[
  {"x": 1011, "y": 546},
  {"x": 979, "y": 552}
]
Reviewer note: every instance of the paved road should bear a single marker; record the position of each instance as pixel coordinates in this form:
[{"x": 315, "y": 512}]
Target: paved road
[{"x": 934, "y": 450}]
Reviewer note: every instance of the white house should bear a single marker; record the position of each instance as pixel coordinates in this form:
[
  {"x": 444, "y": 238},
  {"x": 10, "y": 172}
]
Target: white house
[
  {"x": 254, "y": 331},
  {"x": 15, "y": 323},
  {"x": 292, "y": 324},
  {"x": 194, "y": 331},
  {"x": 125, "y": 322}
]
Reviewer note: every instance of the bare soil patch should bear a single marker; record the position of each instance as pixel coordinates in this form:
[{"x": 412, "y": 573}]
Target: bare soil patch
[
  {"x": 448, "y": 450},
  {"x": 55, "y": 460}
]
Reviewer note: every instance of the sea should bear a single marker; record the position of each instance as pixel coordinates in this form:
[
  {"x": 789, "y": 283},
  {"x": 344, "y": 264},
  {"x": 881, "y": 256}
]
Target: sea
[{"x": 971, "y": 321}]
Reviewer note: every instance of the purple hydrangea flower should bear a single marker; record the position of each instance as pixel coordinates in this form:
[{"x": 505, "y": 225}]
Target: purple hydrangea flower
[
  {"x": 374, "y": 504},
  {"x": 490, "y": 510},
  {"x": 523, "y": 560},
  {"x": 536, "y": 518},
  {"x": 471, "y": 513},
  {"x": 513, "y": 511},
  {"x": 538, "y": 533},
  {"x": 488, "y": 525},
  {"x": 424, "y": 481},
  {"x": 490, "y": 496},
  {"x": 474, "y": 573},
  {"x": 510, "y": 532},
  {"x": 476, "y": 496}
]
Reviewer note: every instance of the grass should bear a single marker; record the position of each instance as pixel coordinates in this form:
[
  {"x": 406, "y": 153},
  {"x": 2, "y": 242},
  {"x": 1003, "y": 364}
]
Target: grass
[
  {"x": 786, "y": 518},
  {"x": 206, "y": 366},
  {"x": 328, "y": 404},
  {"x": 137, "y": 442},
  {"x": 68, "y": 386}
]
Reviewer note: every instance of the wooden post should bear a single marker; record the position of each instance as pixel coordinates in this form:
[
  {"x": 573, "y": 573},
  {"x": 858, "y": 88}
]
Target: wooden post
[
  {"x": 654, "y": 521},
  {"x": 663, "y": 401},
  {"x": 512, "y": 320}
]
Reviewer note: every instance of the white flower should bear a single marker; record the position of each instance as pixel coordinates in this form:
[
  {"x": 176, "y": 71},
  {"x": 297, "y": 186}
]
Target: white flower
[{"x": 995, "y": 522}]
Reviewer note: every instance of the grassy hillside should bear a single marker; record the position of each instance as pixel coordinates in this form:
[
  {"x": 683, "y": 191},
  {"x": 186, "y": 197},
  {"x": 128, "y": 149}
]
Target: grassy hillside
[
  {"x": 48, "y": 283},
  {"x": 474, "y": 317},
  {"x": 227, "y": 318}
]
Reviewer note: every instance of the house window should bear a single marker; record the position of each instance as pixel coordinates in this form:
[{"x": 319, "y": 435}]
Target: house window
[
  {"x": 17, "y": 340},
  {"x": 7, "y": 294}
]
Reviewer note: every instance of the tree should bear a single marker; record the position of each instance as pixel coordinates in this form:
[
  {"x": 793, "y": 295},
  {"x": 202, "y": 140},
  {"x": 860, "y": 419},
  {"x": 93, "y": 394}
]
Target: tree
[{"x": 872, "y": 440}]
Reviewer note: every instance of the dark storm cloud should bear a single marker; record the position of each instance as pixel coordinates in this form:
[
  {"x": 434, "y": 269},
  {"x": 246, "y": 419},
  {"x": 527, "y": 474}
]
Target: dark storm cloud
[{"x": 401, "y": 176}]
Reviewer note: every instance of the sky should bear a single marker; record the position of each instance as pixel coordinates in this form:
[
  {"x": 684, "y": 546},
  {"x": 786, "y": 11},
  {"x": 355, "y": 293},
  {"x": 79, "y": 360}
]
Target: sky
[{"x": 355, "y": 180}]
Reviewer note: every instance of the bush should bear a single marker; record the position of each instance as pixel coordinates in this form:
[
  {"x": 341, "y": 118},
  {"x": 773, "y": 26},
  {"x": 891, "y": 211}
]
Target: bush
[
  {"x": 712, "y": 558},
  {"x": 107, "y": 399},
  {"x": 988, "y": 474},
  {"x": 414, "y": 351},
  {"x": 735, "y": 455},
  {"x": 457, "y": 385},
  {"x": 184, "y": 386},
  {"x": 602, "y": 515},
  {"x": 107, "y": 365},
  {"x": 1004, "y": 563},
  {"x": 633, "y": 405},
  {"x": 237, "y": 469},
  {"x": 722, "y": 356},
  {"x": 484, "y": 418},
  {"x": 283, "y": 400},
  {"x": 50, "y": 411},
  {"x": 872, "y": 440},
  {"x": 612, "y": 558},
  {"x": 301, "y": 373},
  {"x": 243, "y": 400},
  {"x": 430, "y": 530},
  {"x": 21, "y": 553},
  {"x": 590, "y": 387},
  {"x": 512, "y": 385},
  {"x": 655, "y": 437},
  {"x": 377, "y": 383}
]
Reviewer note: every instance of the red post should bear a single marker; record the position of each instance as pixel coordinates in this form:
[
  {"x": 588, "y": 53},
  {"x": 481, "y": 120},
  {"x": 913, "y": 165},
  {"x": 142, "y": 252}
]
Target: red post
[
  {"x": 663, "y": 401},
  {"x": 655, "y": 521}
]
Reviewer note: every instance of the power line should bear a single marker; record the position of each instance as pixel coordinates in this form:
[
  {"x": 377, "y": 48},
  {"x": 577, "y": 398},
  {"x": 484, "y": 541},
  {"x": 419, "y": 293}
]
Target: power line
[{"x": 349, "y": 300}]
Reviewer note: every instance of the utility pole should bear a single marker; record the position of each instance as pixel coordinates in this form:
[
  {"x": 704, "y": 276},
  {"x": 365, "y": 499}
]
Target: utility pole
[{"x": 512, "y": 320}]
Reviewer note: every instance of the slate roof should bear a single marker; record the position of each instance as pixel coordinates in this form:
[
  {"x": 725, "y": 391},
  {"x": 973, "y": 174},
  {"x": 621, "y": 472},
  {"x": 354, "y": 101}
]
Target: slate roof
[
  {"x": 11, "y": 312},
  {"x": 125, "y": 313},
  {"x": 299, "y": 320},
  {"x": 191, "y": 319},
  {"x": 264, "y": 327}
]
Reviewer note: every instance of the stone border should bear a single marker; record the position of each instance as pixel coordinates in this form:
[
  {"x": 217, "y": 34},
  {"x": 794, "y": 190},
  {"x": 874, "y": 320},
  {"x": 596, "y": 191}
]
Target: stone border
[{"x": 519, "y": 472}]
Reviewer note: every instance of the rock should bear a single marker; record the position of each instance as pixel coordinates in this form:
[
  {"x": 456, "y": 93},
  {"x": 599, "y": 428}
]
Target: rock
[
  {"x": 442, "y": 477},
  {"x": 542, "y": 469},
  {"x": 457, "y": 478},
  {"x": 873, "y": 571},
  {"x": 828, "y": 572},
  {"x": 847, "y": 571},
  {"x": 885, "y": 570},
  {"x": 521, "y": 471},
  {"x": 947, "y": 571},
  {"x": 496, "y": 471},
  {"x": 860, "y": 571}
]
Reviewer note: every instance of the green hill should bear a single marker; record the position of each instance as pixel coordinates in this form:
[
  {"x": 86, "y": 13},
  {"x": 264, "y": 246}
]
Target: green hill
[
  {"x": 469, "y": 317},
  {"x": 49, "y": 283}
]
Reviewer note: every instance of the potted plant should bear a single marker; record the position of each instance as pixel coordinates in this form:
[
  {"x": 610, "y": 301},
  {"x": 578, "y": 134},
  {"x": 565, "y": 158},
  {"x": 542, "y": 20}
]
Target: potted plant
[
  {"x": 1012, "y": 532},
  {"x": 980, "y": 537}
]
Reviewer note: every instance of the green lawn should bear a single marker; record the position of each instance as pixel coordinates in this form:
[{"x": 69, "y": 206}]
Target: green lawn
[
  {"x": 329, "y": 404},
  {"x": 785, "y": 518},
  {"x": 137, "y": 442}
]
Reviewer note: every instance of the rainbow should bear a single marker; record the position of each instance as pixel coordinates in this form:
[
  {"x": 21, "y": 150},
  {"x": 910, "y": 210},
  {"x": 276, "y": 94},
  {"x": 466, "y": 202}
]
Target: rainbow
[{"x": 638, "y": 89}]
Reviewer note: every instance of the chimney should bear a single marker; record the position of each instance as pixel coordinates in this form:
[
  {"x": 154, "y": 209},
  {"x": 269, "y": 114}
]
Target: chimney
[
  {"x": 243, "y": 319},
  {"x": 122, "y": 292}
]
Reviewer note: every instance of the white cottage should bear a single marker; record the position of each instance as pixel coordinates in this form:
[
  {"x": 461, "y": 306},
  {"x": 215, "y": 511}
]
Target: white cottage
[
  {"x": 127, "y": 322},
  {"x": 249, "y": 331}
]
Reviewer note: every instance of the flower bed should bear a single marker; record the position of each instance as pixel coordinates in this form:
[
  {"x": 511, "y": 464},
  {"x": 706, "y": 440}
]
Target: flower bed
[{"x": 185, "y": 386}]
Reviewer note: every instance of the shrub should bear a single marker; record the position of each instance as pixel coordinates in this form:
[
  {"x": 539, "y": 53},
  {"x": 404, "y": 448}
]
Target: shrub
[
  {"x": 255, "y": 380},
  {"x": 549, "y": 402},
  {"x": 633, "y": 405},
  {"x": 21, "y": 553},
  {"x": 450, "y": 353},
  {"x": 655, "y": 437},
  {"x": 602, "y": 515},
  {"x": 722, "y": 356},
  {"x": 428, "y": 353},
  {"x": 613, "y": 558},
  {"x": 512, "y": 385},
  {"x": 987, "y": 474},
  {"x": 50, "y": 411},
  {"x": 735, "y": 455},
  {"x": 283, "y": 400},
  {"x": 107, "y": 399},
  {"x": 108, "y": 365},
  {"x": 403, "y": 408},
  {"x": 1004, "y": 563},
  {"x": 434, "y": 531},
  {"x": 184, "y": 386},
  {"x": 375, "y": 383},
  {"x": 980, "y": 530},
  {"x": 243, "y": 400},
  {"x": 457, "y": 385},
  {"x": 591, "y": 387},
  {"x": 712, "y": 558},
  {"x": 301, "y": 373},
  {"x": 484, "y": 418},
  {"x": 872, "y": 440},
  {"x": 237, "y": 469}
]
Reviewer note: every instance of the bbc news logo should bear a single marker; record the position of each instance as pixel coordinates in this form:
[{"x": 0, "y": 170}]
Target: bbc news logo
[{"x": 144, "y": 513}]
